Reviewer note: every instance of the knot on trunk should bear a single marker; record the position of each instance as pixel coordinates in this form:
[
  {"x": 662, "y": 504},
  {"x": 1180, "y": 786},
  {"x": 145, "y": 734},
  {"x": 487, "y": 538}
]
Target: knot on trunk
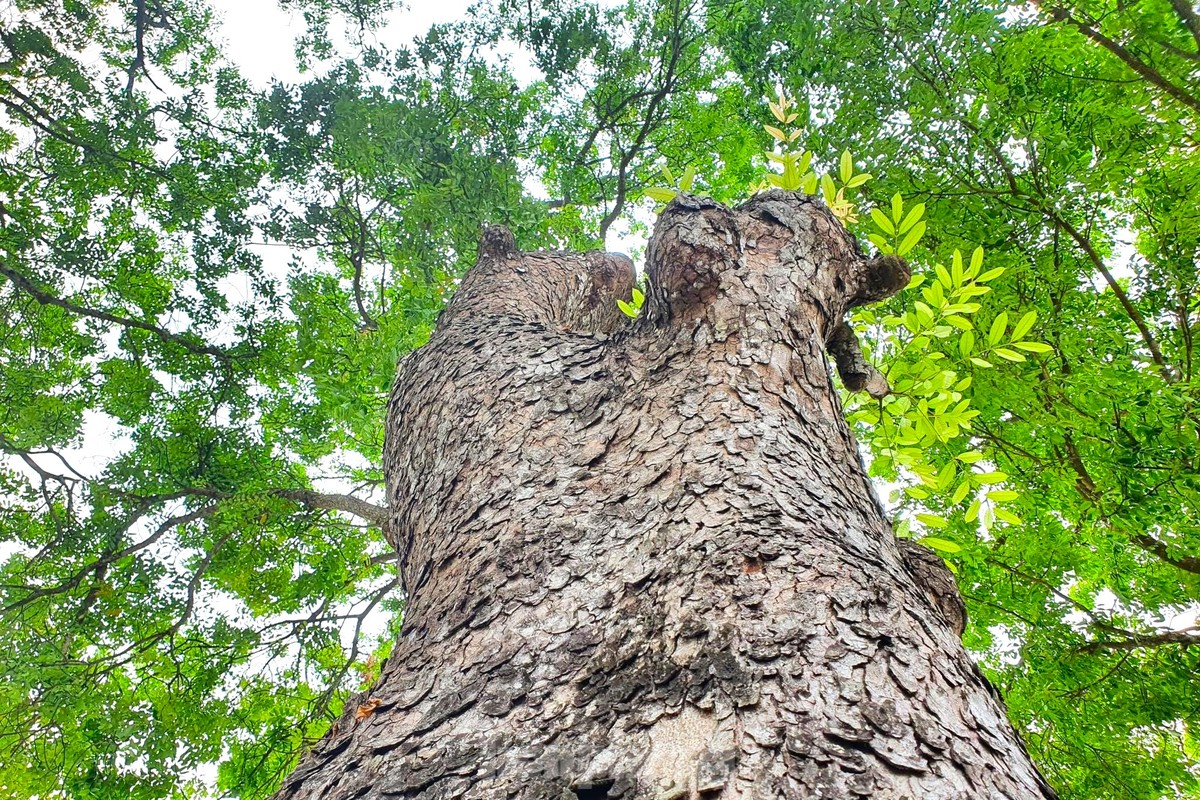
[
  {"x": 935, "y": 580},
  {"x": 496, "y": 243},
  {"x": 858, "y": 374},
  {"x": 573, "y": 291},
  {"x": 882, "y": 277},
  {"x": 780, "y": 257},
  {"x": 779, "y": 250}
]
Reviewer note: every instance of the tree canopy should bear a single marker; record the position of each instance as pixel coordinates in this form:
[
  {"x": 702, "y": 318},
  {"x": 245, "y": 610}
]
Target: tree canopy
[{"x": 192, "y": 575}]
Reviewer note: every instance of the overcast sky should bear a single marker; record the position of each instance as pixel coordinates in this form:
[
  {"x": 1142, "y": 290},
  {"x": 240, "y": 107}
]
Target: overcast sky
[{"x": 259, "y": 36}]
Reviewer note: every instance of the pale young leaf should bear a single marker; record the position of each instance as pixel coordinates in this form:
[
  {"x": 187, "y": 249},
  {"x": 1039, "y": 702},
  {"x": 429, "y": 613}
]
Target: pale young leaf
[
  {"x": 776, "y": 133},
  {"x": 911, "y": 238},
  {"x": 912, "y": 217},
  {"x": 1024, "y": 325},
  {"x": 881, "y": 219},
  {"x": 996, "y": 332},
  {"x": 662, "y": 194},
  {"x": 937, "y": 543}
]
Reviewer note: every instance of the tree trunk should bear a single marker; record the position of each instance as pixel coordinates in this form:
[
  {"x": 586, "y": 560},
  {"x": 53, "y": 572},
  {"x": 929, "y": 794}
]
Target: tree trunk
[{"x": 643, "y": 559}]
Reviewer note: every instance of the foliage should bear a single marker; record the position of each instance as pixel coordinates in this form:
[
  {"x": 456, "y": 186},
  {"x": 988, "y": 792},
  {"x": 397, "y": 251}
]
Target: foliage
[{"x": 205, "y": 284}]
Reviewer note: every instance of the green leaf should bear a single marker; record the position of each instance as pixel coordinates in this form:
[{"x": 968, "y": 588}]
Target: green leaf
[
  {"x": 846, "y": 167},
  {"x": 1008, "y": 355},
  {"x": 911, "y": 238},
  {"x": 883, "y": 244},
  {"x": 924, "y": 314},
  {"x": 932, "y": 520},
  {"x": 966, "y": 344},
  {"x": 946, "y": 475},
  {"x": 1007, "y": 516},
  {"x": 660, "y": 193},
  {"x": 937, "y": 543},
  {"x": 1024, "y": 325},
  {"x": 911, "y": 219},
  {"x": 943, "y": 276},
  {"x": 977, "y": 262},
  {"x": 897, "y": 207},
  {"x": 1033, "y": 347},
  {"x": 882, "y": 221},
  {"x": 962, "y": 323},
  {"x": 805, "y": 159},
  {"x": 828, "y": 189},
  {"x": 996, "y": 332},
  {"x": 685, "y": 181}
]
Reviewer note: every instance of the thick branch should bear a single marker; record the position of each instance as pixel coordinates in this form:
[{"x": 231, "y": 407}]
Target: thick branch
[
  {"x": 1159, "y": 550},
  {"x": 1136, "y": 641},
  {"x": 139, "y": 44},
  {"x": 572, "y": 291},
  {"x": 1143, "y": 69},
  {"x": 376, "y": 515}
]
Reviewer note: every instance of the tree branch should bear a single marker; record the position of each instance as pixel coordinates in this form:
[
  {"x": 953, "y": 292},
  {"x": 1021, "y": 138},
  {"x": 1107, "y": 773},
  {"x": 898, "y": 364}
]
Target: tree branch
[
  {"x": 45, "y": 122},
  {"x": 1185, "y": 637},
  {"x": 1188, "y": 16},
  {"x": 1159, "y": 550},
  {"x": 376, "y": 515},
  {"x": 116, "y": 555},
  {"x": 47, "y": 299},
  {"x": 1143, "y": 69},
  {"x": 1085, "y": 244},
  {"x": 650, "y": 121}
]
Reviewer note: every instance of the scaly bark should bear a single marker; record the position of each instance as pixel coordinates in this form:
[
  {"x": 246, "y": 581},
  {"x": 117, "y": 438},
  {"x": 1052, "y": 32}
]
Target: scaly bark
[{"x": 643, "y": 559}]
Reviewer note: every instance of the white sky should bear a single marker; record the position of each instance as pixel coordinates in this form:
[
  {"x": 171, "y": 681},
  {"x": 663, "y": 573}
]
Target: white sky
[{"x": 260, "y": 37}]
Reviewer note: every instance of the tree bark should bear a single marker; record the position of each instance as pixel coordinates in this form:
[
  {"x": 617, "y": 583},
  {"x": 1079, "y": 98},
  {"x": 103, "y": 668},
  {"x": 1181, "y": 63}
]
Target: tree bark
[{"x": 643, "y": 559}]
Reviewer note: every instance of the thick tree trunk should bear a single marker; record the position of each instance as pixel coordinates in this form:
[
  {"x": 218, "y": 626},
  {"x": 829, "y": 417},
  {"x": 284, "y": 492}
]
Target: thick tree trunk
[{"x": 642, "y": 557}]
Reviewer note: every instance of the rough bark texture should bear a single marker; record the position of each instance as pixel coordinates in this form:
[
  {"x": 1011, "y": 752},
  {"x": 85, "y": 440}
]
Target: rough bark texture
[{"x": 643, "y": 559}]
